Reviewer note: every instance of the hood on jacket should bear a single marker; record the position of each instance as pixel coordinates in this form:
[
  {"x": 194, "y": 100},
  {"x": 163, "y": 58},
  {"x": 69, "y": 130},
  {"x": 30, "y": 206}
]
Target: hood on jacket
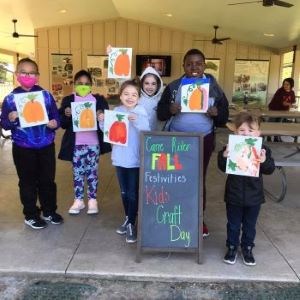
[{"x": 150, "y": 70}]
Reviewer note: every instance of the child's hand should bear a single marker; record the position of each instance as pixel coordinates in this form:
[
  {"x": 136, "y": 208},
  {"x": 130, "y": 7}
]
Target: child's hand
[
  {"x": 262, "y": 156},
  {"x": 68, "y": 112},
  {"x": 132, "y": 117},
  {"x": 100, "y": 117},
  {"x": 212, "y": 111},
  {"x": 52, "y": 124},
  {"x": 226, "y": 151},
  {"x": 175, "y": 108},
  {"x": 108, "y": 49},
  {"x": 12, "y": 116}
]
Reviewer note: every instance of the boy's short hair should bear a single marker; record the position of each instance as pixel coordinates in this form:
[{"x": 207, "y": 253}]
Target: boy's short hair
[
  {"x": 245, "y": 117},
  {"x": 27, "y": 60},
  {"x": 193, "y": 52}
]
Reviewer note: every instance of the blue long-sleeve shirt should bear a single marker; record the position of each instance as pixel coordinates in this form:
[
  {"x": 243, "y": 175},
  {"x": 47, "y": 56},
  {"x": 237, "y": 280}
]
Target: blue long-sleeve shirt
[{"x": 35, "y": 137}]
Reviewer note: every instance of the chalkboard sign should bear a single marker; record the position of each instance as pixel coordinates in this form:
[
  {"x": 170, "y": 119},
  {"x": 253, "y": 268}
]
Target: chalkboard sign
[{"x": 170, "y": 193}]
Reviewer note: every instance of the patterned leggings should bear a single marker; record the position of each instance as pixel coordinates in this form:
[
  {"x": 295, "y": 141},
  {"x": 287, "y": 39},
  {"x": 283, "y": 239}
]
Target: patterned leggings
[{"x": 85, "y": 164}]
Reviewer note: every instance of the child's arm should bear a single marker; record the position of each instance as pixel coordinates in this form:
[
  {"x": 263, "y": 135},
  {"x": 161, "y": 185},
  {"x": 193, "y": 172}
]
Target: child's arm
[
  {"x": 267, "y": 165},
  {"x": 53, "y": 115},
  {"x": 9, "y": 117},
  {"x": 64, "y": 111},
  {"x": 139, "y": 121},
  {"x": 222, "y": 159}
]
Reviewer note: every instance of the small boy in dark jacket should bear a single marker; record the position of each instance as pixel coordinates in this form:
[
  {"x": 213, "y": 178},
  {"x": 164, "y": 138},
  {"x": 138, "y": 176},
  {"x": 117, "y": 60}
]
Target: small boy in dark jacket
[{"x": 244, "y": 194}]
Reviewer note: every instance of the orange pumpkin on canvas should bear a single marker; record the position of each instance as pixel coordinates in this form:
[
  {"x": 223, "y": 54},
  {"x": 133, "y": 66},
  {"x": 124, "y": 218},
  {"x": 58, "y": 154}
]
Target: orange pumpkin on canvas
[
  {"x": 87, "y": 118},
  {"x": 122, "y": 64},
  {"x": 33, "y": 110},
  {"x": 196, "y": 99}
]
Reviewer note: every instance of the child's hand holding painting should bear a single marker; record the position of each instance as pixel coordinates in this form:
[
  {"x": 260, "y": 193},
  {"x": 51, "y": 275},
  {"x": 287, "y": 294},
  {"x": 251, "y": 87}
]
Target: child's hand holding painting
[{"x": 52, "y": 124}]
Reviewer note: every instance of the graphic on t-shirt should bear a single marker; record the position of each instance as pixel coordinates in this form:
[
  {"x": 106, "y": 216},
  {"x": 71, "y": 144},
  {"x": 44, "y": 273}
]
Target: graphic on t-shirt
[
  {"x": 31, "y": 109},
  {"x": 194, "y": 95},
  {"x": 116, "y": 126},
  {"x": 119, "y": 63},
  {"x": 84, "y": 116},
  {"x": 244, "y": 155}
]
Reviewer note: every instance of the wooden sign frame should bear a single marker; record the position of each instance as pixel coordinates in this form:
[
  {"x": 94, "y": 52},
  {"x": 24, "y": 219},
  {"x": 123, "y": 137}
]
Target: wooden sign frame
[{"x": 198, "y": 203}]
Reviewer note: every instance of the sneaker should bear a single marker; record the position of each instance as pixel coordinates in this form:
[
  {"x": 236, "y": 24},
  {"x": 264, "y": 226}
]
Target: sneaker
[
  {"x": 248, "y": 257},
  {"x": 130, "y": 234},
  {"x": 92, "y": 207},
  {"x": 36, "y": 223},
  {"x": 122, "y": 229},
  {"x": 53, "y": 218},
  {"x": 77, "y": 206},
  {"x": 205, "y": 230},
  {"x": 230, "y": 256}
]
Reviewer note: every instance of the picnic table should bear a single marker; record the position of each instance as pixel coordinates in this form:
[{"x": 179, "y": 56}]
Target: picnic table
[{"x": 285, "y": 155}]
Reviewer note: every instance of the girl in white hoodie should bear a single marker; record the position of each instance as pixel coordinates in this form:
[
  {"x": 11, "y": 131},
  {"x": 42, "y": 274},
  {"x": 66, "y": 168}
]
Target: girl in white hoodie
[{"x": 152, "y": 87}]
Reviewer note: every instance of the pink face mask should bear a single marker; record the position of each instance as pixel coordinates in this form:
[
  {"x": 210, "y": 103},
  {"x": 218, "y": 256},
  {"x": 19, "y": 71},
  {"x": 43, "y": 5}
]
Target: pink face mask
[{"x": 26, "y": 81}]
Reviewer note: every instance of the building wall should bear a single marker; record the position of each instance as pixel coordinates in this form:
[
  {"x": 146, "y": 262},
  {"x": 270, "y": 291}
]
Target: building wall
[{"x": 81, "y": 40}]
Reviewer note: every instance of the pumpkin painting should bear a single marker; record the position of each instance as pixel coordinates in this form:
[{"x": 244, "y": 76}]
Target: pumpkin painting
[
  {"x": 196, "y": 99},
  {"x": 33, "y": 110},
  {"x": 87, "y": 119},
  {"x": 122, "y": 64},
  {"x": 118, "y": 131}
]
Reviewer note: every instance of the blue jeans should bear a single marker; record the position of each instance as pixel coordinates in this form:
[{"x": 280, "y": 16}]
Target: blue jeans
[
  {"x": 129, "y": 185},
  {"x": 245, "y": 216}
]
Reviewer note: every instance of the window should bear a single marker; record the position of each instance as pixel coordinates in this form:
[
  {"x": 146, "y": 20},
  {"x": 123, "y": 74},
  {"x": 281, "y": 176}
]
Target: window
[
  {"x": 6, "y": 75},
  {"x": 287, "y": 65}
]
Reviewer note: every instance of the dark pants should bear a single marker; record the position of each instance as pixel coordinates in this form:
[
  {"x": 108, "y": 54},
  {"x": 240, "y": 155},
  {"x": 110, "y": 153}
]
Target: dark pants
[
  {"x": 36, "y": 171},
  {"x": 208, "y": 148},
  {"x": 129, "y": 185},
  {"x": 245, "y": 216}
]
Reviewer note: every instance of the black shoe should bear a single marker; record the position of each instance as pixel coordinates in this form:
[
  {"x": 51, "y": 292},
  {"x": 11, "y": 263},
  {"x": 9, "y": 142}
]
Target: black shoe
[
  {"x": 230, "y": 256},
  {"x": 36, "y": 223},
  {"x": 53, "y": 218},
  {"x": 248, "y": 257}
]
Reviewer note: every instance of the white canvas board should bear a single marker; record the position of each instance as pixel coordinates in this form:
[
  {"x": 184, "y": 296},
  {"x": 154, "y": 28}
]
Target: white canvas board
[
  {"x": 84, "y": 116},
  {"x": 244, "y": 155},
  {"x": 116, "y": 126},
  {"x": 31, "y": 109},
  {"x": 119, "y": 63}
]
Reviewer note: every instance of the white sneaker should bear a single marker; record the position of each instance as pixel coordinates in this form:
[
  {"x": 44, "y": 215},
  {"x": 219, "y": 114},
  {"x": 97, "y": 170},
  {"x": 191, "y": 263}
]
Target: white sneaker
[
  {"x": 92, "y": 207},
  {"x": 77, "y": 206}
]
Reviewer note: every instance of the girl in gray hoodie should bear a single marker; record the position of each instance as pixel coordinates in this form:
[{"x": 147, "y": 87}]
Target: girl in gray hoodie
[{"x": 152, "y": 87}]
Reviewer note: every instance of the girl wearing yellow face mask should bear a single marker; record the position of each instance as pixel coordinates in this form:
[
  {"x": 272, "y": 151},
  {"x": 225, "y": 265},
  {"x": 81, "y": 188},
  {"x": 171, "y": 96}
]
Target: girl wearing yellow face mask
[{"x": 83, "y": 148}]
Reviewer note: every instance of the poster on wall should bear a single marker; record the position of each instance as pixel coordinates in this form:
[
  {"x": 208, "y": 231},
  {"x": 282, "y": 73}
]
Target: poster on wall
[
  {"x": 62, "y": 75},
  {"x": 97, "y": 65},
  {"x": 250, "y": 82},
  {"x": 213, "y": 67}
]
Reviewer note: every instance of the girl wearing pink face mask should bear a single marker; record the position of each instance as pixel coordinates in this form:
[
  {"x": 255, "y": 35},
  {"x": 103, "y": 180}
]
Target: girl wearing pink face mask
[{"x": 33, "y": 148}]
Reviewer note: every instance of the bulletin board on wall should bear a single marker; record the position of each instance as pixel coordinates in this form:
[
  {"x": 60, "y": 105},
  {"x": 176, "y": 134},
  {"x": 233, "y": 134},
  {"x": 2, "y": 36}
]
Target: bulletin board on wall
[
  {"x": 62, "y": 75},
  {"x": 250, "y": 82},
  {"x": 97, "y": 65}
]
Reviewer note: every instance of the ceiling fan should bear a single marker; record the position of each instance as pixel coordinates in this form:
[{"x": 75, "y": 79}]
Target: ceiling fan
[
  {"x": 215, "y": 40},
  {"x": 15, "y": 34},
  {"x": 267, "y": 3}
]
